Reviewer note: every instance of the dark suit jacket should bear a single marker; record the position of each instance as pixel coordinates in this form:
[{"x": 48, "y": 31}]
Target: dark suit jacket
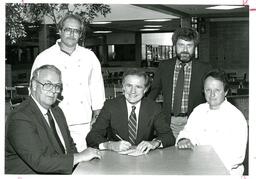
[
  {"x": 114, "y": 119},
  {"x": 30, "y": 147},
  {"x": 163, "y": 81}
]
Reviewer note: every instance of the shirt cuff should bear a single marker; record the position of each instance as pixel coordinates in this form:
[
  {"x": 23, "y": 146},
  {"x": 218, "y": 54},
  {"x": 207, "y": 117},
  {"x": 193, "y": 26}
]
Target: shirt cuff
[
  {"x": 101, "y": 147},
  {"x": 161, "y": 144}
]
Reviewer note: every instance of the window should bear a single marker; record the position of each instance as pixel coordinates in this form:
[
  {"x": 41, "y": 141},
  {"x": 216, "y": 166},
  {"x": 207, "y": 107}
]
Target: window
[{"x": 121, "y": 52}]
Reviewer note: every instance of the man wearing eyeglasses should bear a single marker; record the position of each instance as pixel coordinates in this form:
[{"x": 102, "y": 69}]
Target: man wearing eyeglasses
[
  {"x": 83, "y": 88},
  {"x": 37, "y": 139}
]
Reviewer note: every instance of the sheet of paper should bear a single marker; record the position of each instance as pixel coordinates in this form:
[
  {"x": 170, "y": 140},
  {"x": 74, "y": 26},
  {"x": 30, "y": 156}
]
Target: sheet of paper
[{"x": 132, "y": 152}]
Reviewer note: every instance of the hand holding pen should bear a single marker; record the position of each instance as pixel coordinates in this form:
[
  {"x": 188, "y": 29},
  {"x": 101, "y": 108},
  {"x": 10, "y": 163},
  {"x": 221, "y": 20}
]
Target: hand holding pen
[
  {"x": 120, "y": 145},
  {"x": 118, "y": 136}
]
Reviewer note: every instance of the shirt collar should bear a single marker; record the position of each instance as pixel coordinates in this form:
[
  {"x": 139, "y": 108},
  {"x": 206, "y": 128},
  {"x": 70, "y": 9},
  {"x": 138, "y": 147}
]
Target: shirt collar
[
  {"x": 58, "y": 42},
  {"x": 222, "y": 104},
  {"x": 41, "y": 108},
  {"x": 137, "y": 105},
  {"x": 187, "y": 65}
]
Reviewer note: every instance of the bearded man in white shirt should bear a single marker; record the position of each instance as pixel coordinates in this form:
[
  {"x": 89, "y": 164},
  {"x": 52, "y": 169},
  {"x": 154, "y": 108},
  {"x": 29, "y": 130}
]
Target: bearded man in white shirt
[{"x": 217, "y": 123}]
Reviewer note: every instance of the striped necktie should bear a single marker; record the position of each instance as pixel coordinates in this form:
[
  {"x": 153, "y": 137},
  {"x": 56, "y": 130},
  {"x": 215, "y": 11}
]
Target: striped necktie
[{"x": 132, "y": 123}]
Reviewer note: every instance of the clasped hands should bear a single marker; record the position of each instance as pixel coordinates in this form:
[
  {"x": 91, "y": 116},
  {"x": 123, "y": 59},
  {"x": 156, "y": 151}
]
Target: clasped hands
[{"x": 143, "y": 147}]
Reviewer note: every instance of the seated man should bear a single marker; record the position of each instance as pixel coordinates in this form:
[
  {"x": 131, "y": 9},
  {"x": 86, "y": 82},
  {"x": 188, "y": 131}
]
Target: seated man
[
  {"x": 217, "y": 123},
  {"x": 37, "y": 139},
  {"x": 131, "y": 119}
]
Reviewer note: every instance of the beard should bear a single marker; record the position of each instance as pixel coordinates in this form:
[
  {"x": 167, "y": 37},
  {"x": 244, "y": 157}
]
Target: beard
[{"x": 184, "y": 57}]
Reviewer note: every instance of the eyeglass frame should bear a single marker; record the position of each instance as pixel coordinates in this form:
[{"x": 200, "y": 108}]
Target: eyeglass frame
[
  {"x": 52, "y": 86},
  {"x": 68, "y": 30}
]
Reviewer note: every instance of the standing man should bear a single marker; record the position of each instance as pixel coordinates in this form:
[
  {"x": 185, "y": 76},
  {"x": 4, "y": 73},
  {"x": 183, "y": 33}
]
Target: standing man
[
  {"x": 83, "y": 88},
  {"x": 37, "y": 138},
  {"x": 131, "y": 119},
  {"x": 179, "y": 79}
]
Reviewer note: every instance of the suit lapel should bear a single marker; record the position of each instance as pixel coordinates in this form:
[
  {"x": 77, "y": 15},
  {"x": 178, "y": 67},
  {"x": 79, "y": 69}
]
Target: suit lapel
[
  {"x": 59, "y": 119},
  {"x": 194, "y": 83},
  {"x": 169, "y": 77},
  {"x": 42, "y": 121},
  {"x": 143, "y": 121},
  {"x": 124, "y": 117},
  {"x": 38, "y": 115}
]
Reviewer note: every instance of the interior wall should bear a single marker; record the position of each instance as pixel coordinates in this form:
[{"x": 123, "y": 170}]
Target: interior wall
[{"x": 229, "y": 45}]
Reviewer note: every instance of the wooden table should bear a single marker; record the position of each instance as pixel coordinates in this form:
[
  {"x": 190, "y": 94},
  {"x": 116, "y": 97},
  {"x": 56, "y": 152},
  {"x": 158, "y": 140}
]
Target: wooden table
[{"x": 169, "y": 161}]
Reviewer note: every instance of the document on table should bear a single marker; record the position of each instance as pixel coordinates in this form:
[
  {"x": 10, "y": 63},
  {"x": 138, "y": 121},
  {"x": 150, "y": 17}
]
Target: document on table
[{"x": 132, "y": 152}]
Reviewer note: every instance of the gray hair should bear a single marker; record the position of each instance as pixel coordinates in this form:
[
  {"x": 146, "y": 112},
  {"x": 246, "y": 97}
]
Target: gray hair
[
  {"x": 70, "y": 16},
  {"x": 137, "y": 72},
  {"x": 36, "y": 72}
]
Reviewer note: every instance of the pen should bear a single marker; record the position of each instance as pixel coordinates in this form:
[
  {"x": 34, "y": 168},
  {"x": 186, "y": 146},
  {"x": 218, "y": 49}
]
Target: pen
[{"x": 119, "y": 137}]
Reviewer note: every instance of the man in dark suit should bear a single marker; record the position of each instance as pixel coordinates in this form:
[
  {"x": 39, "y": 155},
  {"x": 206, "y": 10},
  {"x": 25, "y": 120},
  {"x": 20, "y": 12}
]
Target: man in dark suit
[
  {"x": 131, "y": 119},
  {"x": 37, "y": 139},
  {"x": 180, "y": 80}
]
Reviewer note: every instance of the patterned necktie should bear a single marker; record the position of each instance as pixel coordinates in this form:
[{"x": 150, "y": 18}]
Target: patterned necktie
[
  {"x": 52, "y": 124},
  {"x": 132, "y": 123},
  {"x": 178, "y": 91}
]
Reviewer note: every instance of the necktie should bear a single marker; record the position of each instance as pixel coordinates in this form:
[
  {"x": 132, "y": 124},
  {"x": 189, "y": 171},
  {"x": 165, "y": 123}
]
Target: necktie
[
  {"x": 178, "y": 91},
  {"x": 52, "y": 124},
  {"x": 132, "y": 123}
]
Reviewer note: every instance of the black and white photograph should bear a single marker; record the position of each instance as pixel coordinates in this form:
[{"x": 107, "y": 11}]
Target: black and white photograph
[{"x": 128, "y": 88}]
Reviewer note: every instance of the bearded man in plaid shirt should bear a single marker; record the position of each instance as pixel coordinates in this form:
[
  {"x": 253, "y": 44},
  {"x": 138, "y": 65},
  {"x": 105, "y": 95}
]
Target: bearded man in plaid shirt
[{"x": 180, "y": 79}]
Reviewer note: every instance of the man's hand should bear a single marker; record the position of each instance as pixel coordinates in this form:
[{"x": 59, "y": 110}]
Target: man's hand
[
  {"x": 86, "y": 155},
  {"x": 185, "y": 144},
  {"x": 118, "y": 146},
  {"x": 146, "y": 146}
]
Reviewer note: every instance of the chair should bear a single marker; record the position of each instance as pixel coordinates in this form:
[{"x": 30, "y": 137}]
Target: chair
[
  {"x": 109, "y": 91},
  {"x": 117, "y": 90},
  {"x": 242, "y": 103},
  {"x": 14, "y": 102},
  {"x": 21, "y": 93}
]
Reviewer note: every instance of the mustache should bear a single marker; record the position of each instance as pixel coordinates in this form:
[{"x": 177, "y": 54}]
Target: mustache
[
  {"x": 185, "y": 53},
  {"x": 71, "y": 38}
]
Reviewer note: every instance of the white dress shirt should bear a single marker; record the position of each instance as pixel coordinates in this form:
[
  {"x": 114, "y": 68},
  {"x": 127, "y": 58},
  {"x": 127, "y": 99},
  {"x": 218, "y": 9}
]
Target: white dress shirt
[{"x": 44, "y": 112}]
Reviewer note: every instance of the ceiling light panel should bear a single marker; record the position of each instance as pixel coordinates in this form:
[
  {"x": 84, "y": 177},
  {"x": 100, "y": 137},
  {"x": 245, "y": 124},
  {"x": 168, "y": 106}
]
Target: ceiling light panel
[
  {"x": 224, "y": 7},
  {"x": 157, "y": 20},
  {"x": 152, "y": 26}
]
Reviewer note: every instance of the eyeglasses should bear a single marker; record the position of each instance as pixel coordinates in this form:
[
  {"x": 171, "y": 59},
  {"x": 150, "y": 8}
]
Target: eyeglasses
[
  {"x": 69, "y": 31},
  {"x": 49, "y": 86}
]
